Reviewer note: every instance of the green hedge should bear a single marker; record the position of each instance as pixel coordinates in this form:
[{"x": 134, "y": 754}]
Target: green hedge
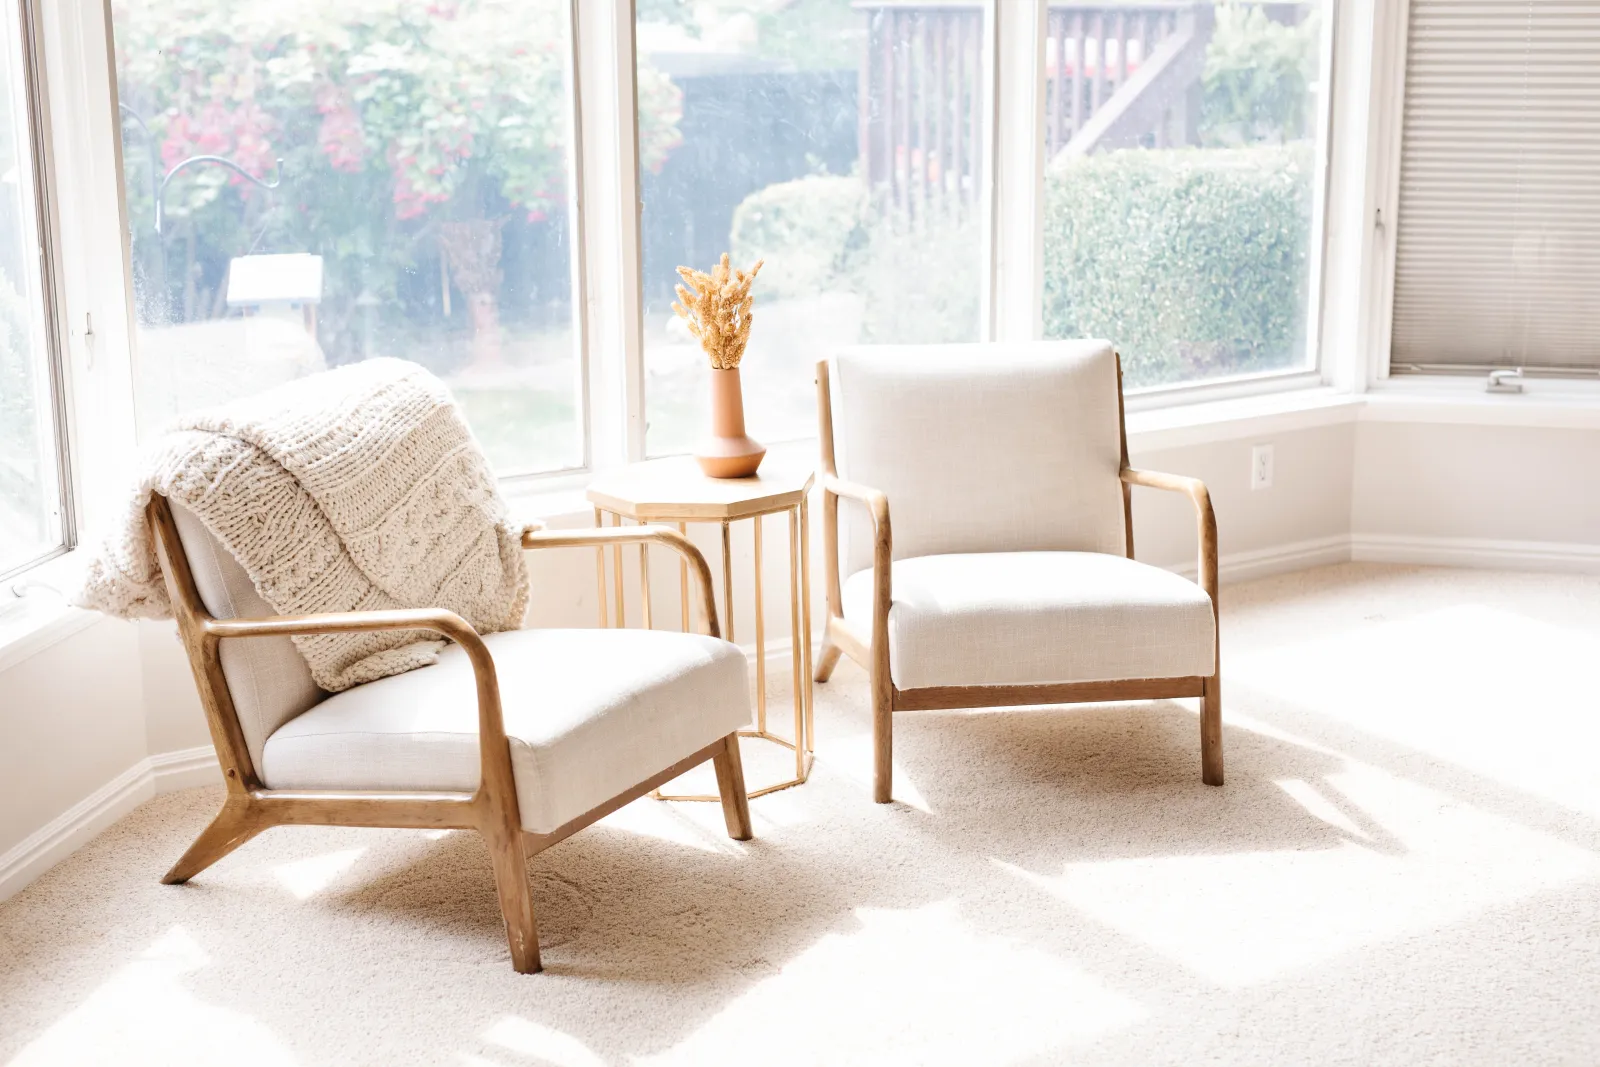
[
  {"x": 805, "y": 230},
  {"x": 1193, "y": 261},
  {"x": 918, "y": 279}
]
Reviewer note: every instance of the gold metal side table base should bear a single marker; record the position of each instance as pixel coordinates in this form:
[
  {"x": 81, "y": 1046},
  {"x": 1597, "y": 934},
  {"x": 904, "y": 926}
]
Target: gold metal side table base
[
  {"x": 806, "y": 763},
  {"x": 674, "y": 491}
]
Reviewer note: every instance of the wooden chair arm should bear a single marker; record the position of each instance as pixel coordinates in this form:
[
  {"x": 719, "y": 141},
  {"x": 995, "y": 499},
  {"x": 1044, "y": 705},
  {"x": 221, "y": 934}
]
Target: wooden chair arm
[
  {"x": 630, "y": 535},
  {"x": 876, "y": 501},
  {"x": 1200, "y": 496}
]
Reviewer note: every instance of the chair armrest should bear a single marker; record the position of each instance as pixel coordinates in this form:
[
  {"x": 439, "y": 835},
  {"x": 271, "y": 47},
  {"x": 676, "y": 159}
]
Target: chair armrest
[
  {"x": 643, "y": 535},
  {"x": 877, "y": 504},
  {"x": 1200, "y": 496},
  {"x": 876, "y": 501},
  {"x": 494, "y": 750}
]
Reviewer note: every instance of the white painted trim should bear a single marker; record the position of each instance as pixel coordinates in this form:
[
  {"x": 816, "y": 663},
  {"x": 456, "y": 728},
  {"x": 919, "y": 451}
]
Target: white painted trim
[
  {"x": 1278, "y": 559},
  {"x": 185, "y": 768},
  {"x": 79, "y": 824},
  {"x": 73, "y": 828},
  {"x": 1016, "y": 138},
  {"x": 36, "y": 629},
  {"x": 1229, "y": 420},
  {"x": 1565, "y": 557},
  {"x": 1469, "y": 405}
]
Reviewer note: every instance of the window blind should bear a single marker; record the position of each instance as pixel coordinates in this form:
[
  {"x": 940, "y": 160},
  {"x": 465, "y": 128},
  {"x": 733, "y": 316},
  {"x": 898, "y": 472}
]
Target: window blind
[{"x": 1498, "y": 229}]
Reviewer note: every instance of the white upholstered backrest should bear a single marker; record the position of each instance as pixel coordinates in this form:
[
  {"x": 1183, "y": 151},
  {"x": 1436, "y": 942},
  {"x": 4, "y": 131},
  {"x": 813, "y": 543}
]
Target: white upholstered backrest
[
  {"x": 267, "y": 677},
  {"x": 981, "y": 447}
]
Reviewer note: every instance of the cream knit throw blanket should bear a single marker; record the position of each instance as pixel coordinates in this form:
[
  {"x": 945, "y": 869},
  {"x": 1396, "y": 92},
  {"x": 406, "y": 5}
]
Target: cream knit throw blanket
[{"x": 354, "y": 490}]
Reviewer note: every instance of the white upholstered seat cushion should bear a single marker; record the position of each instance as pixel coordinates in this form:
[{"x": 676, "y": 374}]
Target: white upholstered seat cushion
[
  {"x": 1035, "y": 618},
  {"x": 589, "y": 713}
]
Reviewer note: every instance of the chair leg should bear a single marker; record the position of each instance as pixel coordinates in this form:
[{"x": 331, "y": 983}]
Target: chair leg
[
  {"x": 510, "y": 857},
  {"x": 235, "y": 824},
  {"x": 882, "y": 735},
  {"x": 730, "y": 784},
  {"x": 827, "y": 659},
  {"x": 1211, "y": 732}
]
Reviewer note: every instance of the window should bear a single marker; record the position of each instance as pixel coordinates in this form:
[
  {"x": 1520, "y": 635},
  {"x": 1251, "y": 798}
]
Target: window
[
  {"x": 1497, "y": 250},
  {"x": 842, "y": 142},
  {"x": 1182, "y": 147},
  {"x": 34, "y": 516},
  {"x": 314, "y": 184}
]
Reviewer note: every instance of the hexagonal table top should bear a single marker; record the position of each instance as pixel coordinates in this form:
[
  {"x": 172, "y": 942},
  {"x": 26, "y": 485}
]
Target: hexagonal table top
[{"x": 674, "y": 489}]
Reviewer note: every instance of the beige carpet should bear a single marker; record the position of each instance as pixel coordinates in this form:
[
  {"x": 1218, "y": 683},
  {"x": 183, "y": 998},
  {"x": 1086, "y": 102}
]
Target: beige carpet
[{"x": 1404, "y": 867}]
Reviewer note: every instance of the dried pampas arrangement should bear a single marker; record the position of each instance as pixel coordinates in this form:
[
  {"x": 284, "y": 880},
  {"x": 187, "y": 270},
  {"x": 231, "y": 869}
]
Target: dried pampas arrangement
[{"x": 716, "y": 307}]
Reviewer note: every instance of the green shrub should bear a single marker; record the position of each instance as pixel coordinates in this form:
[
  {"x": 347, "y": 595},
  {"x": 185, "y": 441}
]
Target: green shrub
[
  {"x": 805, "y": 230},
  {"x": 1192, "y": 261},
  {"x": 918, "y": 278}
]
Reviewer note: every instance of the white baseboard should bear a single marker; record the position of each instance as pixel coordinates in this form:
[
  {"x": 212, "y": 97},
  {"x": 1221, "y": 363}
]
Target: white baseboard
[
  {"x": 63, "y": 835},
  {"x": 1559, "y": 556},
  {"x": 185, "y": 769},
  {"x": 1279, "y": 559},
  {"x": 75, "y": 827}
]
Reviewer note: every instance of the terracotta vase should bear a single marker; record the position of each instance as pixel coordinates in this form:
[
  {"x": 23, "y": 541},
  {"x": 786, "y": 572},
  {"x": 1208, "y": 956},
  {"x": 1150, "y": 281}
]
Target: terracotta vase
[{"x": 730, "y": 453}]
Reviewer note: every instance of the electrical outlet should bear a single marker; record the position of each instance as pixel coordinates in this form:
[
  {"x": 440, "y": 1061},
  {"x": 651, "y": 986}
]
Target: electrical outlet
[{"x": 1261, "y": 467}]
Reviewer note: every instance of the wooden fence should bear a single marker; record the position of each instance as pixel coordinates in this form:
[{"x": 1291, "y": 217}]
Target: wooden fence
[{"x": 1116, "y": 75}]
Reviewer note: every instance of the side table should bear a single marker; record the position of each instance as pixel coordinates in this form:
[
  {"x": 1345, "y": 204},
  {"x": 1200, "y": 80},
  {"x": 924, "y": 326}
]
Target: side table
[{"x": 674, "y": 491}]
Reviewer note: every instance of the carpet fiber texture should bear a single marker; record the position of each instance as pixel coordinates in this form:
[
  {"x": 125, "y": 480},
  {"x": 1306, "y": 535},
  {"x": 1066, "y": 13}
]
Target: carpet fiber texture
[{"x": 1403, "y": 868}]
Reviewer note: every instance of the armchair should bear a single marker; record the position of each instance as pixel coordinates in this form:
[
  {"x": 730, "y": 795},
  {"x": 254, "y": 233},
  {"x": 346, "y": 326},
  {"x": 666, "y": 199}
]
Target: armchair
[
  {"x": 1007, "y": 576},
  {"x": 526, "y": 736}
]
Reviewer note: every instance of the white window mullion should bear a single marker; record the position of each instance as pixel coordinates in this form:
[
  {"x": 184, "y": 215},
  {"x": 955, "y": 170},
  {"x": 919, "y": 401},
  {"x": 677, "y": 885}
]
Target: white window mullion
[
  {"x": 96, "y": 299},
  {"x": 1016, "y": 177},
  {"x": 609, "y": 182}
]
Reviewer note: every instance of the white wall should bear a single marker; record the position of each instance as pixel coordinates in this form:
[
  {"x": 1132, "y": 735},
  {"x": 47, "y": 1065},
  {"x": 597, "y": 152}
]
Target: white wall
[
  {"x": 71, "y": 720},
  {"x": 1474, "y": 482}
]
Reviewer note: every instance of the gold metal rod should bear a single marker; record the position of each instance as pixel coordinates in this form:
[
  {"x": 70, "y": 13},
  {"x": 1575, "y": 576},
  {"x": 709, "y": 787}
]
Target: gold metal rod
[
  {"x": 795, "y": 641},
  {"x": 600, "y": 567},
  {"x": 644, "y": 581},
  {"x": 683, "y": 580},
  {"x": 727, "y": 581},
  {"x": 761, "y": 636},
  {"x": 616, "y": 567},
  {"x": 805, "y": 623}
]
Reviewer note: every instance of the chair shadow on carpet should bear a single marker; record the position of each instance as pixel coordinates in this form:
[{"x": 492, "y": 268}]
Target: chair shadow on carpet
[{"x": 1045, "y": 784}]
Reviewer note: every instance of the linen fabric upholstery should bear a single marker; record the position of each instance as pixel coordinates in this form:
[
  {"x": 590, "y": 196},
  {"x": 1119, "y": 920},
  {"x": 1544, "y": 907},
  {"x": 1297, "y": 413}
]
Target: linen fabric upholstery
[
  {"x": 1035, "y": 618},
  {"x": 267, "y": 677},
  {"x": 589, "y": 715},
  {"x": 980, "y": 447}
]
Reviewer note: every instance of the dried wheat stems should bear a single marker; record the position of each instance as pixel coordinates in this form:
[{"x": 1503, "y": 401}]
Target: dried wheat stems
[{"x": 717, "y": 308}]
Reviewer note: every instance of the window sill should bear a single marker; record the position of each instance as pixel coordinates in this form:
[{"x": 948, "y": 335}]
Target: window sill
[
  {"x": 1554, "y": 404},
  {"x": 1181, "y": 426},
  {"x": 32, "y": 623}
]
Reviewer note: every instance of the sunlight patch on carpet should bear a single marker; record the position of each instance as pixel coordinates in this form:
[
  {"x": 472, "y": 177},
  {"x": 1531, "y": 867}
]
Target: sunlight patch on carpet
[
  {"x": 996, "y": 1000},
  {"x": 542, "y": 1043},
  {"x": 1422, "y": 862},
  {"x": 1487, "y": 689},
  {"x": 305, "y": 878},
  {"x": 147, "y": 1012}
]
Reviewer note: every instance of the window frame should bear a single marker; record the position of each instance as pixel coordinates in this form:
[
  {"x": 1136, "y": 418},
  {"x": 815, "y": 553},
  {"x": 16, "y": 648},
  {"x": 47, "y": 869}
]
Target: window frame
[
  {"x": 35, "y": 86},
  {"x": 1391, "y": 31},
  {"x": 607, "y": 259}
]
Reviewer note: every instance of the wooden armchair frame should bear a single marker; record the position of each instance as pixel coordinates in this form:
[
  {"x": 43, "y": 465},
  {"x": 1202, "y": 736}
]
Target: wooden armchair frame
[
  {"x": 871, "y": 649},
  {"x": 491, "y": 810}
]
